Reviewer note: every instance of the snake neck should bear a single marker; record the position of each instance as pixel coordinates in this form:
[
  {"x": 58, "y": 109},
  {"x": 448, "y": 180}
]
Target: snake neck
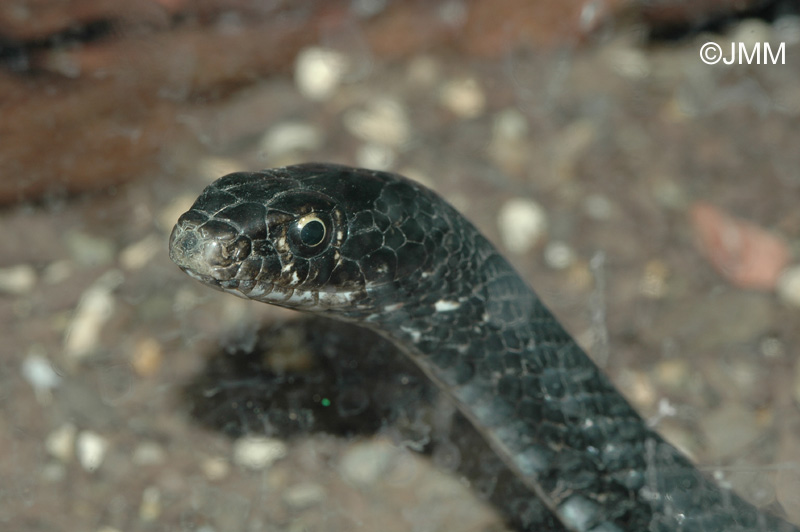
[{"x": 544, "y": 406}]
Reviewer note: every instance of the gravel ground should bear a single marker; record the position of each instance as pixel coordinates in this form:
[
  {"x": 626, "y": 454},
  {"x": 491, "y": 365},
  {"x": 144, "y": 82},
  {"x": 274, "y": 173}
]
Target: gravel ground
[{"x": 135, "y": 399}]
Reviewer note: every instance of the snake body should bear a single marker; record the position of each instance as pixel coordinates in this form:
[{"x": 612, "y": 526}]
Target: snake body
[{"x": 384, "y": 252}]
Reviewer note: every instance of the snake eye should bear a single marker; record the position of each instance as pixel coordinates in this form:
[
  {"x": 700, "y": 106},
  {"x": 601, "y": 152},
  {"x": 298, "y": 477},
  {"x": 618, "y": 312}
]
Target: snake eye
[
  {"x": 309, "y": 234},
  {"x": 313, "y": 232}
]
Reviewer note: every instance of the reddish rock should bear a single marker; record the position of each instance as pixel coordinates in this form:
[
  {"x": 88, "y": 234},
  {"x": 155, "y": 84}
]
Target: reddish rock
[{"x": 748, "y": 256}]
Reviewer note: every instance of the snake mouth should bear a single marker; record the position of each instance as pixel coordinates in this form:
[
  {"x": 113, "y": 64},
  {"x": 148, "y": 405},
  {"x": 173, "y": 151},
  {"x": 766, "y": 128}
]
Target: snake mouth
[
  {"x": 211, "y": 257},
  {"x": 222, "y": 260},
  {"x": 209, "y": 280},
  {"x": 289, "y": 297}
]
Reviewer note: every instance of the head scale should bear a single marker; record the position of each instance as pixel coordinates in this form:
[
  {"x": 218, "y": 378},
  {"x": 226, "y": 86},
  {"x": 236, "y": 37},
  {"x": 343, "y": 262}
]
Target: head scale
[{"x": 312, "y": 236}]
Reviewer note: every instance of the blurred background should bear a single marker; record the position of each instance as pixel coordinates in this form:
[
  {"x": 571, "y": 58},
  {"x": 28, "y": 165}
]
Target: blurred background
[{"x": 651, "y": 198}]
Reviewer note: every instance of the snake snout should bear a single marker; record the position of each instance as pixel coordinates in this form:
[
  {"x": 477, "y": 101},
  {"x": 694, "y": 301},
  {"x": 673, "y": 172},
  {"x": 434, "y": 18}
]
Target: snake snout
[
  {"x": 182, "y": 244},
  {"x": 209, "y": 251}
]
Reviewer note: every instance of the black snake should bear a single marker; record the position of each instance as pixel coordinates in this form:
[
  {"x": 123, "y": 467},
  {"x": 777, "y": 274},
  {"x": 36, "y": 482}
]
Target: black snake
[{"x": 386, "y": 253}]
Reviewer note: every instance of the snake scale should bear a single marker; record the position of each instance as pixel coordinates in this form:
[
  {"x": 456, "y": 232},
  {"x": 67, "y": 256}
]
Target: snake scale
[{"x": 384, "y": 252}]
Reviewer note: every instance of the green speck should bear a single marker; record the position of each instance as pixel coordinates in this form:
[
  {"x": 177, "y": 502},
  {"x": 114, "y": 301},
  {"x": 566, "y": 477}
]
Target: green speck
[{"x": 326, "y": 402}]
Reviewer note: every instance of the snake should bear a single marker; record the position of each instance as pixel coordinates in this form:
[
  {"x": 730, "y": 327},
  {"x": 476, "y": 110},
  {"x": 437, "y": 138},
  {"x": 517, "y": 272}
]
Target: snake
[{"x": 384, "y": 252}]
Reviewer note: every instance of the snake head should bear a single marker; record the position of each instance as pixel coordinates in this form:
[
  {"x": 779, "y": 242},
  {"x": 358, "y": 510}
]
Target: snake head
[{"x": 312, "y": 236}]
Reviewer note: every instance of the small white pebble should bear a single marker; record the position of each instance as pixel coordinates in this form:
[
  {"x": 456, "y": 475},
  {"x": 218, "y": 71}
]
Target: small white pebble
[
  {"x": 510, "y": 146},
  {"x": 89, "y": 250},
  {"x": 509, "y": 125},
  {"x": 629, "y": 63},
  {"x": 186, "y": 299},
  {"x": 291, "y": 136},
  {"x": 53, "y": 472},
  {"x": 148, "y": 453},
  {"x": 772, "y": 347},
  {"x": 558, "y": 255},
  {"x": 375, "y": 156},
  {"x": 787, "y": 101},
  {"x": 453, "y": 13},
  {"x": 256, "y": 453},
  {"x": 598, "y": 207},
  {"x": 302, "y": 496},
  {"x": 751, "y": 31},
  {"x": 568, "y": 145},
  {"x": 147, "y": 357},
  {"x": 57, "y": 271},
  {"x": 39, "y": 372},
  {"x": 94, "y": 309},
  {"x": 367, "y": 8},
  {"x": 318, "y": 72},
  {"x": 17, "y": 280},
  {"x": 523, "y": 224},
  {"x": 150, "y": 508},
  {"x": 366, "y": 463},
  {"x": 381, "y": 121},
  {"x": 139, "y": 254},
  {"x": 215, "y": 468},
  {"x": 789, "y": 286},
  {"x": 60, "y": 443},
  {"x": 423, "y": 71},
  {"x": 463, "y": 97},
  {"x": 787, "y": 29},
  {"x": 668, "y": 193},
  {"x": 91, "y": 449},
  {"x": 653, "y": 284},
  {"x": 639, "y": 388},
  {"x": 63, "y": 63},
  {"x": 591, "y": 15}
]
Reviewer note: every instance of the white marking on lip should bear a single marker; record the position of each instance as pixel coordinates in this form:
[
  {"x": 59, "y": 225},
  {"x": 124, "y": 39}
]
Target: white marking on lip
[
  {"x": 258, "y": 290},
  {"x": 336, "y": 298},
  {"x": 296, "y": 298},
  {"x": 300, "y": 297},
  {"x": 444, "y": 305}
]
